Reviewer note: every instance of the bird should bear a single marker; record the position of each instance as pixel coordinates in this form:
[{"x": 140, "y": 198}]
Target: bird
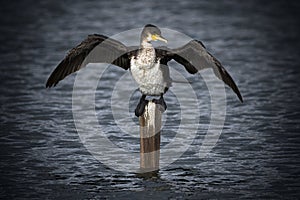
[{"x": 148, "y": 64}]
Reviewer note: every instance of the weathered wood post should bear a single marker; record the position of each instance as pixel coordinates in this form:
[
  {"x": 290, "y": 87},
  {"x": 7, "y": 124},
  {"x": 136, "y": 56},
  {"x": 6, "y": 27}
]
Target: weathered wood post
[{"x": 150, "y": 125}]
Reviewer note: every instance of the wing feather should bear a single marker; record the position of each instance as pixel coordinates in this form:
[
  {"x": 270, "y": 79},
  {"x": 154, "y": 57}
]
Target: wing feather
[
  {"x": 194, "y": 57},
  {"x": 94, "y": 49}
]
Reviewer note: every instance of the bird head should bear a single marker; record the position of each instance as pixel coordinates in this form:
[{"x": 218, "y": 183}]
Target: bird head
[{"x": 152, "y": 33}]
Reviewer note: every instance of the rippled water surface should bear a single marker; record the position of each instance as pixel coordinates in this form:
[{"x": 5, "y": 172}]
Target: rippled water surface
[{"x": 257, "y": 154}]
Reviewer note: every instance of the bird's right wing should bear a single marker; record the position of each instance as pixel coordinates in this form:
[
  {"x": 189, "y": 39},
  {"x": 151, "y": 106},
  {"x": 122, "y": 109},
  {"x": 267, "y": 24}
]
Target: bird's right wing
[{"x": 94, "y": 49}]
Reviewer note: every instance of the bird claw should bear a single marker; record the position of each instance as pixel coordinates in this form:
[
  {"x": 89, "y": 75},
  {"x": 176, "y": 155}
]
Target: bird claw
[
  {"x": 162, "y": 106},
  {"x": 140, "y": 108}
]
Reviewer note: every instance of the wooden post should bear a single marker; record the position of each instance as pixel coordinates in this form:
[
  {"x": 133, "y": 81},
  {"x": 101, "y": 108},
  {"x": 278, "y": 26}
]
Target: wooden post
[{"x": 150, "y": 125}]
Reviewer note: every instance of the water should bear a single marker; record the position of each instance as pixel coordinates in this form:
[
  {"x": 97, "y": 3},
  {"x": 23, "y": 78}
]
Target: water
[{"x": 257, "y": 155}]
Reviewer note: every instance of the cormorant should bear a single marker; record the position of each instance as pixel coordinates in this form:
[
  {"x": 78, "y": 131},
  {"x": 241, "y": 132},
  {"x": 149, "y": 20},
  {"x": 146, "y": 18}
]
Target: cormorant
[{"x": 148, "y": 65}]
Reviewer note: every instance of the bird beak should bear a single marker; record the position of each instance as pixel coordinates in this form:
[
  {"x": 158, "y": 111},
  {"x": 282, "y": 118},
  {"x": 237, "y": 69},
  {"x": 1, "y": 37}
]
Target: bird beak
[{"x": 159, "y": 37}]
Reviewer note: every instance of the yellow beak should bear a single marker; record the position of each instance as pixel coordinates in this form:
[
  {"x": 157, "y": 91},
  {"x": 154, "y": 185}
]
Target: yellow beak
[{"x": 158, "y": 37}]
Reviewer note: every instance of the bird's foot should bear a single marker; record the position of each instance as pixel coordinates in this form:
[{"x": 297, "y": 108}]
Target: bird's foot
[
  {"x": 140, "y": 108},
  {"x": 162, "y": 106}
]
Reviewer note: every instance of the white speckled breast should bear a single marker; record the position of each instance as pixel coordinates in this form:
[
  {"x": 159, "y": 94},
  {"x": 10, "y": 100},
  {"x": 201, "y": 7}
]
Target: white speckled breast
[{"x": 152, "y": 77}]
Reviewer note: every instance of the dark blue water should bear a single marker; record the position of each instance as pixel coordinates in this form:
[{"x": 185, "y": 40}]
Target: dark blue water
[{"x": 257, "y": 155}]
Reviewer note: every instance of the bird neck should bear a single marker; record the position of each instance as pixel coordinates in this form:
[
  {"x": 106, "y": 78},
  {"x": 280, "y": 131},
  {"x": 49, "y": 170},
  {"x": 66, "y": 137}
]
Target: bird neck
[{"x": 145, "y": 44}]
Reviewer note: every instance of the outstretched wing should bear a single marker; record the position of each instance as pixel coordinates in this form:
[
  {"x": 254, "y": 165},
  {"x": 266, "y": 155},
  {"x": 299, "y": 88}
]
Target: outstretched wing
[
  {"x": 194, "y": 57},
  {"x": 94, "y": 49}
]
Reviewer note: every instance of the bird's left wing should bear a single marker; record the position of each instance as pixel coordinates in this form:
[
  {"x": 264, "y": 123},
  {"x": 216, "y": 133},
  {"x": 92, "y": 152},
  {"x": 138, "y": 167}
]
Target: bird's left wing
[
  {"x": 94, "y": 49},
  {"x": 194, "y": 57}
]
